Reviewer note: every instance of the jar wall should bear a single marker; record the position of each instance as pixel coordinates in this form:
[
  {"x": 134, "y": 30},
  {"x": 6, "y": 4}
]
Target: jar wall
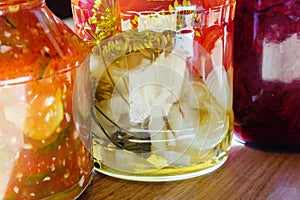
[
  {"x": 45, "y": 146},
  {"x": 163, "y": 86}
]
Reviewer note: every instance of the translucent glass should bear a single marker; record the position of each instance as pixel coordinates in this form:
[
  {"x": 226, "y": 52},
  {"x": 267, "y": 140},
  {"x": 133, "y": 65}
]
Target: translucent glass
[
  {"x": 267, "y": 73},
  {"x": 163, "y": 86},
  {"x": 45, "y": 143}
]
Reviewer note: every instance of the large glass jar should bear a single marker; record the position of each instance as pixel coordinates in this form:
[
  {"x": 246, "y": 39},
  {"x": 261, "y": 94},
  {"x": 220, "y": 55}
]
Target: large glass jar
[
  {"x": 267, "y": 73},
  {"x": 45, "y": 145},
  {"x": 163, "y": 74}
]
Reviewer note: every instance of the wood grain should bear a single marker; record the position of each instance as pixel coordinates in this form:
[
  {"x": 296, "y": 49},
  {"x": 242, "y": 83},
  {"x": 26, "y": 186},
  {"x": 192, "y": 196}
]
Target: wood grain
[{"x": 247, "y": 174}]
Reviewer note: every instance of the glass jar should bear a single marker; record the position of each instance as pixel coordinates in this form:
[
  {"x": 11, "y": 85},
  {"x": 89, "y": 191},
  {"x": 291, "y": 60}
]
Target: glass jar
[
  {"x": 45, "y": 144},
  {"x": 267, "y": 73},
  {"x": 163, "y": 85}
]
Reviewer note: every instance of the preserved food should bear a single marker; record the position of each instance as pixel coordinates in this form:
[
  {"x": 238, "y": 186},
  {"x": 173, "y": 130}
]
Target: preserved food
[{"x": 45, "y": 145}]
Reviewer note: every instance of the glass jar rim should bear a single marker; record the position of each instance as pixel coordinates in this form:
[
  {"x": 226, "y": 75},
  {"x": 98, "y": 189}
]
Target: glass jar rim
[{"x": 12, "y": 5}]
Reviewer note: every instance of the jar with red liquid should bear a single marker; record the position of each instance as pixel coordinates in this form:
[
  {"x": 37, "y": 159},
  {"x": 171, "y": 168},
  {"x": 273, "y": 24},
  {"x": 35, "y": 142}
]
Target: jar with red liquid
[
  {"x": 267, "y": 73},
  {"x": 45, "y": 143}
]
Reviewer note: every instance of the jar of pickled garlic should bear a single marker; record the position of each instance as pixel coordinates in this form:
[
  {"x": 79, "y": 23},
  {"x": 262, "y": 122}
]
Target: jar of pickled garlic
[
  {"x": 267, "y": 73},
  {"x": 45, "y": 145},
  {"x": 163, "y": 92}
]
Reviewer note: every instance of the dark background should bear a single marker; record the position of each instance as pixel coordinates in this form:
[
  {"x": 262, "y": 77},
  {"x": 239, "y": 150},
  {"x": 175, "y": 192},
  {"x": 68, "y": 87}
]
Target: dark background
[{"x": 61, "y": 8}]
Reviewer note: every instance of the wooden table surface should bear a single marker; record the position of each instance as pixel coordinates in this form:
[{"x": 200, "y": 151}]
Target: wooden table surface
[{"x": 247, "y": 174}]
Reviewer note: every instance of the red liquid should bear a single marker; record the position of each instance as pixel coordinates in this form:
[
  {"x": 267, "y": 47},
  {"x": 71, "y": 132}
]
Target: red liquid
[{"x": 267, "y": 73}]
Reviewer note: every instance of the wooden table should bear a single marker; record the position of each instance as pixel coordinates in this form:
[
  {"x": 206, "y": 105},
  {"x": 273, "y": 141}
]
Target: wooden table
[{"x": 247, "y": 174}]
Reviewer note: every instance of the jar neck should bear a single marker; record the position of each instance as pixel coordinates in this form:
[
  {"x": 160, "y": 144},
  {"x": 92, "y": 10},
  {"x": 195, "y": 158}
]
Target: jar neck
[{"x": 4, "y": 3}]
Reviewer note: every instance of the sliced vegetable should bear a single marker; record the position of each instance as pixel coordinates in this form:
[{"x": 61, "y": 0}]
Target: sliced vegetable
[{"x": 42, "y": 122}]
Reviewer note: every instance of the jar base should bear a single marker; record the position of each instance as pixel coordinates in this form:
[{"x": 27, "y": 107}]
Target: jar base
[
  {"x": 73, "y": 192},
  {"x": 265, "y": 147},
  {"x": 87, "y": 185},
  {"x": 164, "y": 175}
]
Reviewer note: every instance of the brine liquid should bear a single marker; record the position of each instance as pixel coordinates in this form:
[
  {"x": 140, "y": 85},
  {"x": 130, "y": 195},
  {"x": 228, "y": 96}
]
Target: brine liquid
[{"x": 158, "y": 119}]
